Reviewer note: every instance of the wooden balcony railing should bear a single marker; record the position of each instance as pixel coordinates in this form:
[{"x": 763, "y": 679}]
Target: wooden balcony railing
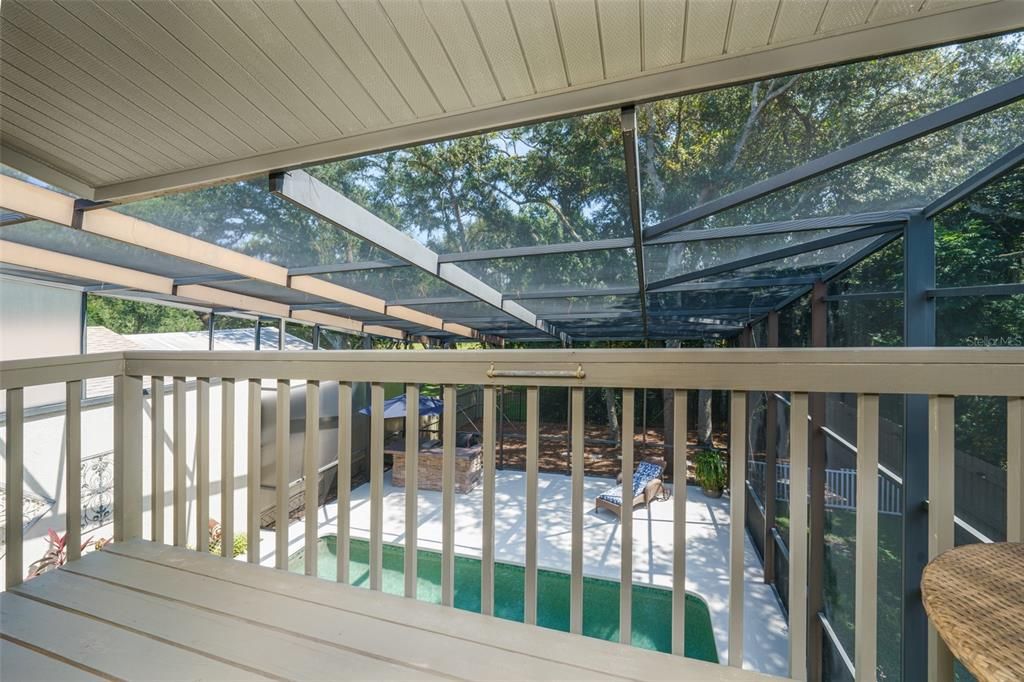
[{"x": 940, "y": 374}]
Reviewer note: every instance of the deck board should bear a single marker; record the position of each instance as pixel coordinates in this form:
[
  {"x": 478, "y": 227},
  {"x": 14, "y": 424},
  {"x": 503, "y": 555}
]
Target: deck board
[
  {"x": 26, "y": 665},
  {"x": 155, "y": 610}
]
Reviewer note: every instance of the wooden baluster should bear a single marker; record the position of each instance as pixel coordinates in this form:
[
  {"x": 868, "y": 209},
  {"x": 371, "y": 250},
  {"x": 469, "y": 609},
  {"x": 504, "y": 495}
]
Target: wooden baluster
[
  {"x": 282, "y": 462},
  {"x": 489, "y": 475},
  {"x": 310, "y": 474},
  {"x": 376, "y": 485},
  {"x": 127, "y": 457},
  {"x": 941, "y": 476},
  {"x": 412, "y": 456},
  {"x": 15, "y": 480},
  {"x": 156, "y": 454},
  {"x": 73, "y": 468},
  {"x": 202, "y": 464},
  {"x": 798, "y": 491},
  {"x": 532, "y": 452},
  {"x": 227, "y": 468},
  {"x": 626, "y": 519},
  {"x": 1015, "y": 469},
  {"x": 179, "y": 454},
  {"x": 253, "y": 473},
  {"x": 448, "y": 498},
  {"x": 679, "y": 472},
  {"x": 866, "y": 562},
  {"x": 737, "y": 522},
  {"x": 344, "y": 477}
]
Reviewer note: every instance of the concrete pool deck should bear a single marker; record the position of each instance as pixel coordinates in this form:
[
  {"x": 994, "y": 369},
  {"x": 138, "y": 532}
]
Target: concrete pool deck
[{"x": 765, "y": 645}]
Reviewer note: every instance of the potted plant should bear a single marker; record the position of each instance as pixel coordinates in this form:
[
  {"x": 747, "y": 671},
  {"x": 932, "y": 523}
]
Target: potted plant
[{"x": 710, "y": 472}]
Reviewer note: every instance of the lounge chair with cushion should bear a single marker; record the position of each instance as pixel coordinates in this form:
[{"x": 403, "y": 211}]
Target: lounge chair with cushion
[{"x": 647, "y": 487}]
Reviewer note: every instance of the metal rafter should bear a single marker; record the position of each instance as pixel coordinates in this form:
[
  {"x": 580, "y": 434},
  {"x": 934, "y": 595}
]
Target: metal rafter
[
  {"x": 930, "y": 123},
  {"x": 776, "y": 254},
  {"x": 308, "y": 193},
  {"x": 636, "y": 216}
]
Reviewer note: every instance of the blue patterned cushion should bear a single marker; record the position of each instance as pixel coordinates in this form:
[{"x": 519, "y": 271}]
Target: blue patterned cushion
[{"x": 644, "y": 474}]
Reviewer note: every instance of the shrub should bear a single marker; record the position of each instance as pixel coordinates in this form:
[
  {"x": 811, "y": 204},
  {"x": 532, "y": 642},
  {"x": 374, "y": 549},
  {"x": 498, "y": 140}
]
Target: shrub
[{"x": 709, "y": 470}]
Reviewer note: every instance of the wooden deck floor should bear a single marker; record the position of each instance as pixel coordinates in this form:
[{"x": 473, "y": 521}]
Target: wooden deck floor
[{"x": 138, "y": 610}]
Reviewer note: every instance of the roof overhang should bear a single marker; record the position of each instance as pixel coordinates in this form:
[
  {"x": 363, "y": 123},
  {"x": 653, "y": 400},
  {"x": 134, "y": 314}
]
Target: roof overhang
[{"x": 97, "y": 159}]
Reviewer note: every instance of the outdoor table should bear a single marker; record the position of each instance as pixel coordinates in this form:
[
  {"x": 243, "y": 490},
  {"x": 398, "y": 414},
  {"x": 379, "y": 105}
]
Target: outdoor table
[{"x": 974, "y": 596}]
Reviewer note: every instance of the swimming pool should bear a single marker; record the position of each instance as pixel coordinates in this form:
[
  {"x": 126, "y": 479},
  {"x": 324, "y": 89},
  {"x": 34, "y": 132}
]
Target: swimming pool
[{"x": 652, "y": 606}]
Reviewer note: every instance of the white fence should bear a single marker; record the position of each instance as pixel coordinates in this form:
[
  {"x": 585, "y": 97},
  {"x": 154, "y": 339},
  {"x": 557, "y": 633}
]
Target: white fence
[{"x": 840, "y": 487}]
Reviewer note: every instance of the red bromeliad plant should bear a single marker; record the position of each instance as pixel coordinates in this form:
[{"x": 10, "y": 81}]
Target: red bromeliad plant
[{"x": 56, "y": 555}]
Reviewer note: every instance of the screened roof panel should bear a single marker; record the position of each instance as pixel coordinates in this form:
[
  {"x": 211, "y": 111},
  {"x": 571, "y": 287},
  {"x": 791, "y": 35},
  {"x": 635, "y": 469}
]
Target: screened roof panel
[
  {"x": 552, "y": 182},
  {"x": 582, "y": 305},
  {"x": 593, "y": 269},
  {"x": 702, "y": 146},
  {"x": 814, "y": 263},
  {"x": 45, "y": 235},
  {"x": 245, "y": 217},
  {"x": 717, "y": 299},
  {"x": 910, "y": 175},
  {"x": 668, "y": 260},
  {"x": 403, "y": 282}
]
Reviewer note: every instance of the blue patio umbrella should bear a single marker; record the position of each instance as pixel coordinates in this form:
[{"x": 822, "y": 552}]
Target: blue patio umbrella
[{"x": 395, "y": 407}]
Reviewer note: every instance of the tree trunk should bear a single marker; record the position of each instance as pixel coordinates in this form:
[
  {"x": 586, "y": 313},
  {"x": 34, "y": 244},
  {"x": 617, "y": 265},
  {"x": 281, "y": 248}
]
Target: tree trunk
[
  {"x": 704, "y": 426},
  {"x": 613, "y": 413}
]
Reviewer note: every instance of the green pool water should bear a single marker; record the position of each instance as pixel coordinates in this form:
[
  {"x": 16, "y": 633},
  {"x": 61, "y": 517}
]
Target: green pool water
[{"x": 652, "y": 606}]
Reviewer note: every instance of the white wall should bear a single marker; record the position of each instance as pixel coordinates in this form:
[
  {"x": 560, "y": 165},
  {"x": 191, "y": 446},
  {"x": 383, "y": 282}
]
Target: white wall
[{"x": 38, "y": 321}]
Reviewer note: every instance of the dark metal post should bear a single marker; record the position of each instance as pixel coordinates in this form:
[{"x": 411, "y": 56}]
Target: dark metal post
[
  {"x": 919, "y": 330},
  {"x": 316, "y": 337},
  {"x": 209, "y": 330},
  {"x": 816, "y": 565},
  {"x": 630, "y": 150},
  {"x": 770, "y": 461},
  {"x": 259, "y": 332}
]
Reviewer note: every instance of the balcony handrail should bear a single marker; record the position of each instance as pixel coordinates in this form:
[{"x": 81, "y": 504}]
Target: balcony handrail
[
  {"x": 925, "y": 371},
  {"x": 939, "y": 373}
]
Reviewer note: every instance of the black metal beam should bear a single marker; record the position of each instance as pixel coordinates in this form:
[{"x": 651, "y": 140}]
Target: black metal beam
[
  {"x": 786, "y": 226},
  {"x": 981, "y": 290},
  {"x": 776, "y": 254},
  {"x": 930, "y": 123},
  {"x": 864, "y": 296},
  {"x": 630, "y": 152},
  {"x": 995, "y": 170},
  {"x": 919, "y": 331},
  {"x": 358, "y": 266}
]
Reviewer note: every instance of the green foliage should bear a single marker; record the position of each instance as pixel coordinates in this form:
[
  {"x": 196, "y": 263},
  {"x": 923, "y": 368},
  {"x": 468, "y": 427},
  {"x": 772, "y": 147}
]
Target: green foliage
[
  {"x": 135, "y": 317},
  {"x": 710, "y": 470}
]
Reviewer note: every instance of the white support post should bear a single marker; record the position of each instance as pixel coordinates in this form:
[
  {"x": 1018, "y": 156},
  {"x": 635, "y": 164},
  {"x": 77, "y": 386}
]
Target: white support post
[
  {"x": 73, "y": 468},
  {"x": 310, "y": 475},
  {"x": 179, "y": 465},
  {"x": 532, "y": 451},
  {"x": 626, "y": 519},
  {"x": 1015, "y": 469},
  {"x": 14, "y": 516},
  {"x": 253, "y": 474},
  {"x": 679, "y": 471},
  {"x": 941, "y": 491},
  {"x": 376, "y": 485},
  {"x": 412, "y": 486},
  {"x": 227, "y": 467},
  {"x": 282, "y": 462},
  {"x": 799, "y": 488},
  {"x": 156, "y": 454},
  {"x": 737, "y": 526},
  {"x": 866, "y": 561},
  {"x": 576, "y": 576},
  {"x": 128, "y": 454},
  {"x": 489, "y": 475},
  {"x": 448, "y": 497},
  {"x": 202, "y": 464},
  {"x": 344, "y": 477}
]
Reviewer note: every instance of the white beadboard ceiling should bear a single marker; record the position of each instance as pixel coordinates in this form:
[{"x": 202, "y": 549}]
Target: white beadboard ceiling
[{"x": 114, "y": 98}]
